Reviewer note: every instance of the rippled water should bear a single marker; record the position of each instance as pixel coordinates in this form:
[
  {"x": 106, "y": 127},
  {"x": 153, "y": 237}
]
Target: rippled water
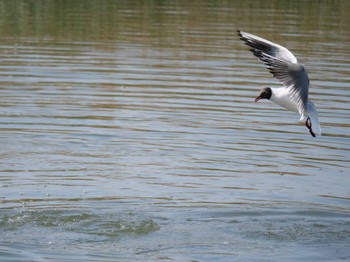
[{"x": 128, "y": 132}]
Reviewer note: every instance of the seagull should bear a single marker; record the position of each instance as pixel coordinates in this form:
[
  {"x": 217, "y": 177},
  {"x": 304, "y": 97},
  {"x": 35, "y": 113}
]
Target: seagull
[{"x": 284, "y": 67}]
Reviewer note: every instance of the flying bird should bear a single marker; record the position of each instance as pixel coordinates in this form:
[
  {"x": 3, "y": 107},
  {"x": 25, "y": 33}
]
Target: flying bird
[{"x": 285, "y": 67}]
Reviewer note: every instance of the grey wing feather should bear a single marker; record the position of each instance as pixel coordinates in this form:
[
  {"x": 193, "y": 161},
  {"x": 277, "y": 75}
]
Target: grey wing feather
[
  {"x": 260, "y": 44},
  {"x": 283, "y": 66},
  {"x": 293, "y": 76}
]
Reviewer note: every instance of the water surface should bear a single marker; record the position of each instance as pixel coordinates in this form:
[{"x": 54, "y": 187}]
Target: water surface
[{"x": 128, "y": 132}]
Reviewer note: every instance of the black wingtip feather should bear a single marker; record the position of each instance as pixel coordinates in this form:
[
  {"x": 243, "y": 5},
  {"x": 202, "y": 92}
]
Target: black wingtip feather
[{"x": 239, "y": 32}]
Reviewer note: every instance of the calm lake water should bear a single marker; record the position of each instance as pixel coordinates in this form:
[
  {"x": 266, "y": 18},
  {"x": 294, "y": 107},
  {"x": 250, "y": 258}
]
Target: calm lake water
[{"x": 128, "y": 132}]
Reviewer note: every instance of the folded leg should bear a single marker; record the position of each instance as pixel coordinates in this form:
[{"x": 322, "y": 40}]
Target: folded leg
[{"x": 309, "y": 126}]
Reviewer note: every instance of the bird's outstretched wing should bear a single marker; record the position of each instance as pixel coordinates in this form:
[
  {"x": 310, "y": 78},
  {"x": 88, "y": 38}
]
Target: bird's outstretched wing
[{"x": 283, "y": 65}]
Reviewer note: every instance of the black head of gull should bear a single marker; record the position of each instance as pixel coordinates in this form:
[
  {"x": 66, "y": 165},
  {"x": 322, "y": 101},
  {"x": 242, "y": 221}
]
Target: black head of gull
[{"x": 265, "y": 93}]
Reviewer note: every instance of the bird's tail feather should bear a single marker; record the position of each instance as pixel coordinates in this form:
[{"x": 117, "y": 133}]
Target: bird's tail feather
[{"x": 312, "y": 113}]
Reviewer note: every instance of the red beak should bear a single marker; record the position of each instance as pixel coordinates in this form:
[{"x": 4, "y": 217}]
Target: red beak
[{"x": 257, "y": 99}]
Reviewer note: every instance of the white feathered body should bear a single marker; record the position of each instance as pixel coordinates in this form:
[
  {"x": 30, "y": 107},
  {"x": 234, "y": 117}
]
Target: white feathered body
[{"x": 281, "y": 97}]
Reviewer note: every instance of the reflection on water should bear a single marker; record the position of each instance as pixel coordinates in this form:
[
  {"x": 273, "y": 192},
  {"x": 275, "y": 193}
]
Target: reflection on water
[{"x": 128, "y": 131}]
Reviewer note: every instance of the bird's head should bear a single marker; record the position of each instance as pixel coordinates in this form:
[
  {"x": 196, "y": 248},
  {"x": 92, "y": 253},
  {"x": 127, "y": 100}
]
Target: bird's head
[{"x": 265, "y": 93}]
